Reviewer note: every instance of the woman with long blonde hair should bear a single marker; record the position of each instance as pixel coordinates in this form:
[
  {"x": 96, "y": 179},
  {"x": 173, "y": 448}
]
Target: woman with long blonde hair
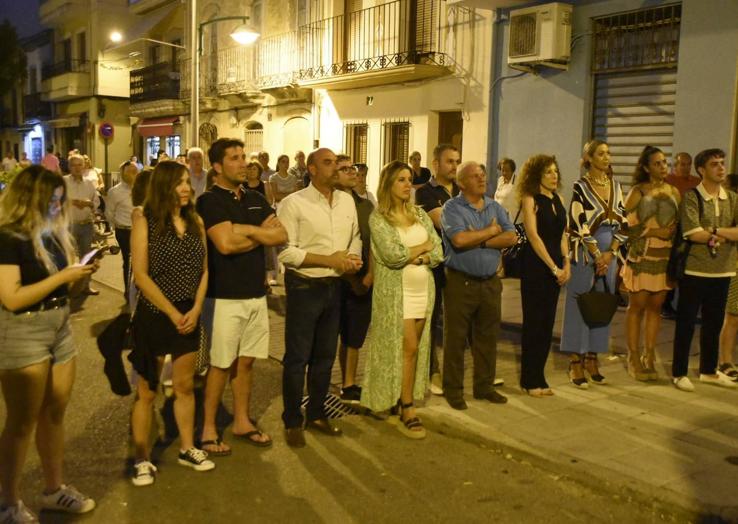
[
  {"x": 405, "y": 246},
  {"x": 37, "y": 357}
]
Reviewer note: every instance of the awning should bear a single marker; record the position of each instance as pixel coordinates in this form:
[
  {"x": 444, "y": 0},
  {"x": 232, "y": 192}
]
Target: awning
[
  {"x": 157, "y": 126},
  {"x": 65, "y": 121}
]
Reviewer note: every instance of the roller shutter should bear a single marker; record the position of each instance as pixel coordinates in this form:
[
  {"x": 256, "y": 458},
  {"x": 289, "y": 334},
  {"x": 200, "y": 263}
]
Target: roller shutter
[{"x": 632, "y": 110}]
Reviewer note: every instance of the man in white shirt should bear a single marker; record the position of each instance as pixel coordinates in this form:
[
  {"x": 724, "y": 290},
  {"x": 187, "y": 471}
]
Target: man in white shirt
[
  {"x": 9, "y": 162},
  {"x": 84, "y": 200},
  {"x": 198, "y": 176},
  {"x": 118, "y": 209},
  {"x": 324, "y": 243}
]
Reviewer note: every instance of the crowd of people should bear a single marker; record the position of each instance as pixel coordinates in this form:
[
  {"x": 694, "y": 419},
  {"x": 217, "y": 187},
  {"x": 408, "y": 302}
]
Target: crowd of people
[{"x": 198, "y": 247}]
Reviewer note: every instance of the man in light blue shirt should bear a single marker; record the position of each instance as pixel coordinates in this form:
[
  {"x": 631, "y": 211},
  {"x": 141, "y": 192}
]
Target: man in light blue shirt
[{"x": 474, "y": 229}]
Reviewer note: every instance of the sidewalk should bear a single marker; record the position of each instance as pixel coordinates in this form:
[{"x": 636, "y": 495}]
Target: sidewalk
[{"x": 676, "y": 446}]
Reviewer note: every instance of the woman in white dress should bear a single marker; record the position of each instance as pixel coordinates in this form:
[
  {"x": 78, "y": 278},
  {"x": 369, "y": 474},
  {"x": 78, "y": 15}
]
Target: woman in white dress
[
  {"x": 405, "y": 246},
  {"x": 505, "y": 194}
]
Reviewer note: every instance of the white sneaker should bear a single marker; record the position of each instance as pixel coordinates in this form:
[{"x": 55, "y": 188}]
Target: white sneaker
[
  {"x": 718, "y": 380},
  {"x": 436, "y": 384},
  {"x": 144, "y": 473},
  {"x": 17, "y": 514},
  {"x": 196, "y": 459},
  {"x": 683, "y": 383},
  {"x": 68, "y": 499}
]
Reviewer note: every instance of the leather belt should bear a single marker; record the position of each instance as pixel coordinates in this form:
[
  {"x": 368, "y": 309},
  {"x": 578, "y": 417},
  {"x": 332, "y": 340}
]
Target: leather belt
[{"x": 45, "y": 305}]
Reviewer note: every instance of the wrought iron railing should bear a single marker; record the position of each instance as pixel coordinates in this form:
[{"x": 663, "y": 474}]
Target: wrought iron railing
[
  {"x": 65, "y": 66},
  {"x": 155, "y": 82},
  {"x": 34, "y": 107},
  {"x": 402, "y": 32},
  {"x": 389, "y": 35}
]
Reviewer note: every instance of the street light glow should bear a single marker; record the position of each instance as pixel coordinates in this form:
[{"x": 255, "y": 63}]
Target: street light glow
[
  {"x": 244, "y": 35},
  {"x": 116, "y": 37}
]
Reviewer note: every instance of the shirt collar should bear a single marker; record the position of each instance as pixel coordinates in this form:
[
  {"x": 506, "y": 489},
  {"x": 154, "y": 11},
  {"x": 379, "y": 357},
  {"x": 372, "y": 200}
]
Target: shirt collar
[
  {"x": 237, "y": 194},
  {"x": 722, "y": 195},
  {"x": 487, "y": 202},
  {"x": 317, "y": 194}
]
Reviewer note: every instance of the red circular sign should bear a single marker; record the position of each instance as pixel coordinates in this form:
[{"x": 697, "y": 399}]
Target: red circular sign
[{"x": 106, "y": 130}]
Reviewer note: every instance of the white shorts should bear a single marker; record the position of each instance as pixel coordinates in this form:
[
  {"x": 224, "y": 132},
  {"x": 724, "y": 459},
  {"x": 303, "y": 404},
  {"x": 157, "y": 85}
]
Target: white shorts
[{"x": 236, "y": 328}]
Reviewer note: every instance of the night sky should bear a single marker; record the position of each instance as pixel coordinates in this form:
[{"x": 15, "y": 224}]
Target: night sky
[{"x": 23, "y": 14}]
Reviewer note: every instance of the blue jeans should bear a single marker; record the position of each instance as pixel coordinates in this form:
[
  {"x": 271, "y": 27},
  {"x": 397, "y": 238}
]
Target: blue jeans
[
  {"x": 311, "y": 336},
  {"x": 83, "y": 234}
]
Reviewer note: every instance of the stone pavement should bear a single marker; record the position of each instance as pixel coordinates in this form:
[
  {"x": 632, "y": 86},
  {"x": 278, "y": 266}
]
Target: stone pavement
[{"x": 681, "y": 448}]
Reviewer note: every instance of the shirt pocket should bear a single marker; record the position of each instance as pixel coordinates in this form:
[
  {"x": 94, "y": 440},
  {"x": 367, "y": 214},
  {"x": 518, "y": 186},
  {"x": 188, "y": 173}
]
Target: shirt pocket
[{"x": 342, "y": 230}]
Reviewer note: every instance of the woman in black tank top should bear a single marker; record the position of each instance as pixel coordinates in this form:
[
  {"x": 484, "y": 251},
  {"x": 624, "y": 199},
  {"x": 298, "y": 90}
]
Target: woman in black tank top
[{"x": 545, "y": 267}]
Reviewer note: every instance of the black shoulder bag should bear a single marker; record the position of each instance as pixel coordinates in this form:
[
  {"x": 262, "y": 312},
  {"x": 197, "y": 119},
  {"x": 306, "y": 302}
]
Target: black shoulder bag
[
  {"x": 680, "y": 247},
  {"x": 597, "y": 307},
  {"x": 512, "y": 257}
]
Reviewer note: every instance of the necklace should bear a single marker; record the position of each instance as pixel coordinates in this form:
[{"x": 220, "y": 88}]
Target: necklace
[{"x": 602, "y": 182}]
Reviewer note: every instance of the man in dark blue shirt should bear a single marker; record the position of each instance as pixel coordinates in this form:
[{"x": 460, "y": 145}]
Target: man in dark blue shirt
[{"x": 474, "y": 229}]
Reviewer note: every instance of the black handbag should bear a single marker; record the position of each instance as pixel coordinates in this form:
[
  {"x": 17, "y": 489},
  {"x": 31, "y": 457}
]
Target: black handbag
[
  {"x": 512, "y": 257},
  {"x": 598, "y": 307},
  {"x": 680, "y": 248}
]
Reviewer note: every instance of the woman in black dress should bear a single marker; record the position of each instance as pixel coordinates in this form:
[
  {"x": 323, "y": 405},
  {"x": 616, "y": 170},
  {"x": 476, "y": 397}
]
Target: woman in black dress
[
  {"x": 170, "y": 269},
  {"x": 545, "y": 267}
]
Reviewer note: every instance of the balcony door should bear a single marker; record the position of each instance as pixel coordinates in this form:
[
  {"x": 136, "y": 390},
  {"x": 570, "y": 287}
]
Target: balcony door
[{"x": 67, "y": 54}]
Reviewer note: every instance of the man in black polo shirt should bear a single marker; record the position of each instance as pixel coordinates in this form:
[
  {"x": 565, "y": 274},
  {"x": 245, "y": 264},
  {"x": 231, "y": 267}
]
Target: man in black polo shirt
[
  {"x": 431, "y": 197},
  {"x": 356, "y": 292},
  {"x": 239, "y": 222}
]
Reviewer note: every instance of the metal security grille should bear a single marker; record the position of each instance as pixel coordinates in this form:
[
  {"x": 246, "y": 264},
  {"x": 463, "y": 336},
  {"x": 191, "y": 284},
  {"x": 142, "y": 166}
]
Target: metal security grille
[
  {"x": 523, "y": 31},
  {"x": 396, "y": 141},
  {"x": 643, "y": 39},
  {"x": 253, "y": 140},
  {"x": 355, "y": 141},
  {"x": 632, "y": 110}
]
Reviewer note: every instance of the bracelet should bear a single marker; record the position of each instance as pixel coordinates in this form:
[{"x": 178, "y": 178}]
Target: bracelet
[
  {"x": 555, "y": 271},
  {"x": 597, "y": 253}
]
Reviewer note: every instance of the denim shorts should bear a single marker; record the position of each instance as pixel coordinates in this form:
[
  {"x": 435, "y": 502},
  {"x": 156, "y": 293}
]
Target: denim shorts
[{"x": 32, "y": 337}]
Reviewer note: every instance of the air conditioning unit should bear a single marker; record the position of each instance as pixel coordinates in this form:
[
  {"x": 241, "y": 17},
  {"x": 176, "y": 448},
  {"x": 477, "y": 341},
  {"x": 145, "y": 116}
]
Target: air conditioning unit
[{"x": 540, "y": 35}]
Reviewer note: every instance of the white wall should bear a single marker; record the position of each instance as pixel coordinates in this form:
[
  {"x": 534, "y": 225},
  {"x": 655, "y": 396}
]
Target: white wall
[{"x": 551, "y": 113}]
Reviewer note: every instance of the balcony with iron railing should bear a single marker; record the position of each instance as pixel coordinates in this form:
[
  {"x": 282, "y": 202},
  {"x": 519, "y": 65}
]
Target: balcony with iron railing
[
  {"x": 66, "y": 80},
  {"x": 394, "y": 42},
  {"x": 155, "y": 82},
  {"x": 34, "y": 107},
  {"x": 63, "y": 67}
]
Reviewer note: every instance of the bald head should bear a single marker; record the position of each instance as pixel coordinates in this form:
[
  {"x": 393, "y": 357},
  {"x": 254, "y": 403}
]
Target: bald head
[
  {"x": 472, "y": 179},
  {"x": 321, "y": 164}
]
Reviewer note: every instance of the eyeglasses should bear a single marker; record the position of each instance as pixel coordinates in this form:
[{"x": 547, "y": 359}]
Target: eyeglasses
[{"x": 347, "y": 169}]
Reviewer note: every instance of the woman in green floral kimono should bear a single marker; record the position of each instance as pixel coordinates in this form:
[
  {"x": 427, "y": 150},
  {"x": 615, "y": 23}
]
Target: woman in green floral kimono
[{"x": 405, "y": 246}]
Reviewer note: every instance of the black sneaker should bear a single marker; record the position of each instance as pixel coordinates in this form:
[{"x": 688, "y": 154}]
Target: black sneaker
[
  {"x": 196, "y": 459},
  {"x": 351, "y": 394}
]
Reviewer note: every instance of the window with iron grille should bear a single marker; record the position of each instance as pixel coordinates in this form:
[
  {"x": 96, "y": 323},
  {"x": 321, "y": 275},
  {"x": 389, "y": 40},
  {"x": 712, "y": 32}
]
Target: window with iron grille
[
  {"x": 396, "y": 141},
  {"x": 355, "y": 143},
  {"x": 643, "y": 39}
]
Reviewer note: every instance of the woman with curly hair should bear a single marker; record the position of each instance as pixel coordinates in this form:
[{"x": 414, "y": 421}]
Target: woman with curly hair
[
  {"x": 37, "y": 355},
  {"x": 652, "y": 206},
  {"x": 405, "y": 246},
  {"x": 545, "y": 267}
]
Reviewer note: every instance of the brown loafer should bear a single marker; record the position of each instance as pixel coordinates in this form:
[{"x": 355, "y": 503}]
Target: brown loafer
[
  {"x": 295, "y": 437},
  {"x": 324, "y": 427}
]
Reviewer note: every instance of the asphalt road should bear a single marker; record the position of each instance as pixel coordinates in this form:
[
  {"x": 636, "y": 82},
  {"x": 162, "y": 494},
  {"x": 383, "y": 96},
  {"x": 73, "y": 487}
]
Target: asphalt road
[{"x": 371, "y": 474}]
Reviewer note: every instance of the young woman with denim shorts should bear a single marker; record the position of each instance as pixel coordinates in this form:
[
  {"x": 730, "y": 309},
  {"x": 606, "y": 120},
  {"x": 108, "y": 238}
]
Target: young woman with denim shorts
[{"x": 37, "y": 353}]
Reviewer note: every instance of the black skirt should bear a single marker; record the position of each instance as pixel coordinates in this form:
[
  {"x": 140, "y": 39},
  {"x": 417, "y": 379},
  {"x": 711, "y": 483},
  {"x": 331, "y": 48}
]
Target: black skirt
[{"x": 154, "y": 336}]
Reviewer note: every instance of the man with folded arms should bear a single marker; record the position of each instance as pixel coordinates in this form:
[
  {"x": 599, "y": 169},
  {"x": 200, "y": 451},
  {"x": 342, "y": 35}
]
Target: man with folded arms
[
  {"x": 324, "y": 243},
  {"x": 239, "y": 222},
  {"x": 475, "y": 228},
  {"x": 710, "y": 266}
]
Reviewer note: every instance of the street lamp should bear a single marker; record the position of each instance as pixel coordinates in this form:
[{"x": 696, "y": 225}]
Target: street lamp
[{"x": 243, "y": 34}]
